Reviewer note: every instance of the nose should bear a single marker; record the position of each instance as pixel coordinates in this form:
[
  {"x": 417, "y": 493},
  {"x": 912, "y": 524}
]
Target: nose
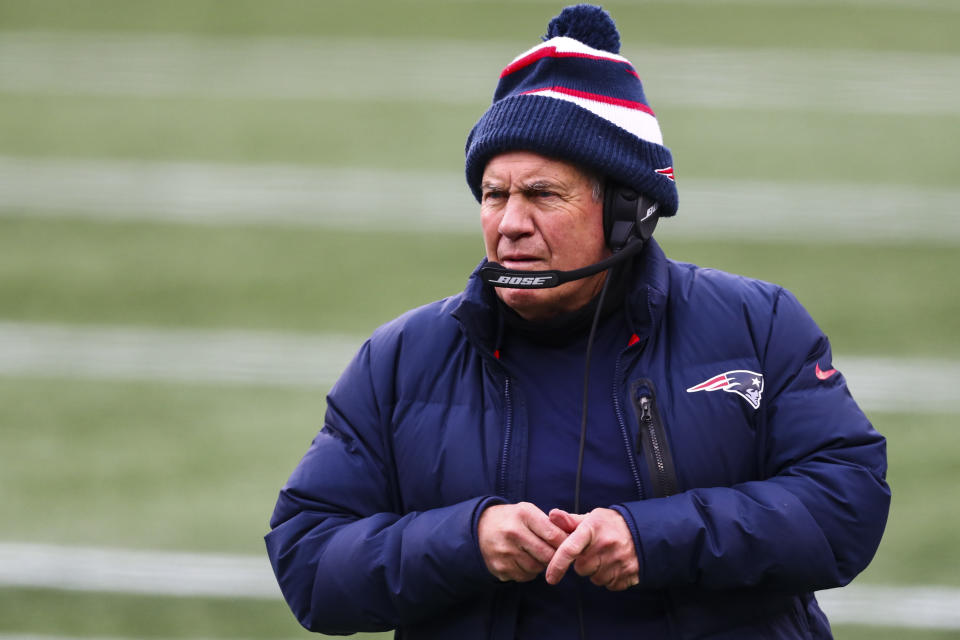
[{"x": 517, "y": 220}]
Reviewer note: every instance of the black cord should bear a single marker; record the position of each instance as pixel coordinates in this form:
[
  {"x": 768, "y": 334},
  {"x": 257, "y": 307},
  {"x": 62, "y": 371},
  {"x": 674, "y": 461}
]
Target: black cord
[
  {"x": 583, "y": 428},
  {"x": 586, "y": 390}
]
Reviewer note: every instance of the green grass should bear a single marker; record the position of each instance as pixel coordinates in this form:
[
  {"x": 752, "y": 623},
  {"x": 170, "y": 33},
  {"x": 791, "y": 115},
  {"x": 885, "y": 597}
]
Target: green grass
[
  {"x": 36, "y": 611},
  {"x": 662, "y": 23},
  {"x": 725, "y": 143},
  {"x": 148, "y": 465},
  {"x": 197, "y": 467},
  {"x": 304, "y": 279},
  {"x": 339, "y": 133},
  {"x": 300, "y": 279},
  {"x": 918, "y": 546},
  {"x": 78, "y": 614},
  {"x": 859, "y": 632},
  {"x": 746, "y": 144}
]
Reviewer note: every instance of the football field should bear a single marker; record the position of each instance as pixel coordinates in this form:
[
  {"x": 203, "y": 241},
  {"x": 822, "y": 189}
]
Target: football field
[{"x": 205, "y": 207}]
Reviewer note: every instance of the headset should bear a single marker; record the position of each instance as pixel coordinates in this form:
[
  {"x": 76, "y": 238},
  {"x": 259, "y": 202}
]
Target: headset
[{"x": 629, "y": 219}]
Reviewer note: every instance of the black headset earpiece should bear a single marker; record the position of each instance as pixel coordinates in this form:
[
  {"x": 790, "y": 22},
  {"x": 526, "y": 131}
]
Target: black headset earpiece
[{"x": 627, "y": 214}]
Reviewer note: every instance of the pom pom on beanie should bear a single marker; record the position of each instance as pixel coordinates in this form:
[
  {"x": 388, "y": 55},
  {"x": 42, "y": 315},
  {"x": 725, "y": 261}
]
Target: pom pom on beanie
[{"x": 589, "y": 24}]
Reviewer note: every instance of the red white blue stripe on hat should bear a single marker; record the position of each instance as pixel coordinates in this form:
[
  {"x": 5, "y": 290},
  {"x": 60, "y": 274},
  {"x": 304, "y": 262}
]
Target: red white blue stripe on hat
[
  {"x": 566, "y": 69},
  {"x": 635, "y": 117},
  {"x": 562, "y": 47}
]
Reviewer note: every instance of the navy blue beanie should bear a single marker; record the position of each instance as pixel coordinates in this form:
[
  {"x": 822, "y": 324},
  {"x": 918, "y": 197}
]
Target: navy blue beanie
[{"x": 575, "y": 99}]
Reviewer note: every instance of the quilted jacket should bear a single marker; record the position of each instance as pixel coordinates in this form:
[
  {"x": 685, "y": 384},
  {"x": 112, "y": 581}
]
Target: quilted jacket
[{"x": 757, "y": 478}]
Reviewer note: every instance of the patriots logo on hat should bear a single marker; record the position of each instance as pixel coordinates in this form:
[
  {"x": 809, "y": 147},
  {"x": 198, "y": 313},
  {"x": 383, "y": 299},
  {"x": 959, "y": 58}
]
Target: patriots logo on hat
[
  {"x": 666, "y": 171},
  {"x": 746, "y": 384}
]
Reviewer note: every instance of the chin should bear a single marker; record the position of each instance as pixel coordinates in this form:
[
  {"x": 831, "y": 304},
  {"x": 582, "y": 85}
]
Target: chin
[
  {"x": 542, "y": 304},
  {"x": 532, "y": 304},
  {"x": 521, "y": 298}
]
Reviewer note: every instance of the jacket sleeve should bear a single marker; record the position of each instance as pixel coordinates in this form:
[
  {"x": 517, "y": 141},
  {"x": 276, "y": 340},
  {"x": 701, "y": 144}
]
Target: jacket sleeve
[
  {"x": 815, "y": 518},
  {"x": 346, "y": 556}
]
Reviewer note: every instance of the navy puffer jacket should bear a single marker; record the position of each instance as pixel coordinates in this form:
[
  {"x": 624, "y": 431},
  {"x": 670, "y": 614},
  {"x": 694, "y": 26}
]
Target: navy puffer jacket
[{"x": 776, "y": 488}]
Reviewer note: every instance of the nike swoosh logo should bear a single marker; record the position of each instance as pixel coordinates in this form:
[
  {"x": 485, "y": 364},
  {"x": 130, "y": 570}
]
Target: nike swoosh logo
[{"x": 823, "y": 375}]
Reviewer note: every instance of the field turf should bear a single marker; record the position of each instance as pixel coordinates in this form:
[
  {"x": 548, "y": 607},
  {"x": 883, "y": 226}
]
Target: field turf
[{"x": 161, "y": 465}]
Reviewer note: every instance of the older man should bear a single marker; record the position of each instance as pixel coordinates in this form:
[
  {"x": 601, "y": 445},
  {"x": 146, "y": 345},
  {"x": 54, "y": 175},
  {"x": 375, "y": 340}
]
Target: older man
[{"x": 591, "y": 441}]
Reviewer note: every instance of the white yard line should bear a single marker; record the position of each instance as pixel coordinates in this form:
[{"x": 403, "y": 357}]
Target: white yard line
[
  {"x": 230, "y": 357},
  {"x": 889, "y": 606},
  {"x": 237, "y": 576},
  {"x": 361, "y": 199},
  {"x": 127, "y": 571},
  {"x": 372, "y": 199},
  {"x": 461, "y": 72},
  {"x": 276, "y": 359}
]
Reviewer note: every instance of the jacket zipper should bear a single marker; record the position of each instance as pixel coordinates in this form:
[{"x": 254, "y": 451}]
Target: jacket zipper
[
  {"x": 507, "y": 433},
  {"x": 652, "y": 440},
  {"x": 649, "y": 425},
  {"x": 624, "y": 432}
]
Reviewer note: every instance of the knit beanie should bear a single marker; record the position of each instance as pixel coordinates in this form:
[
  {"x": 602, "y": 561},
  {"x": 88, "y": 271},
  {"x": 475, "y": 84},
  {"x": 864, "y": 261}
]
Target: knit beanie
[{"x": 573, "y": 98}]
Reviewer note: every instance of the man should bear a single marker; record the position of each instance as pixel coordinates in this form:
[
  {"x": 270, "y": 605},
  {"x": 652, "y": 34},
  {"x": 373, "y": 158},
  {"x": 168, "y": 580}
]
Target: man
[{"x": 648, "y": 449}]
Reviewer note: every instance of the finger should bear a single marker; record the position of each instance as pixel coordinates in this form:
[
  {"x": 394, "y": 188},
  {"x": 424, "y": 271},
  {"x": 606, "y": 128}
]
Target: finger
[
  {"x": 525, "y": 577},
  {"x": 538, "y": 550},
  {"x": 566, "y": 521},
  {"x": 616, "y": 574},
  {"x": 516, "y": 566},
  {"x": 623, "y": 583},
  {"x": 588, "y": 564},
  {"x": 572, "y": 547},
  {"x": 529, "y": 567},
  {"x": 546, "y": 529},
  {"x": 607, "y": 575}
]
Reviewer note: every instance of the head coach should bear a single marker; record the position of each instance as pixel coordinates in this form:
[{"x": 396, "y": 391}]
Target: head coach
[{"x": 591, "y": 440}]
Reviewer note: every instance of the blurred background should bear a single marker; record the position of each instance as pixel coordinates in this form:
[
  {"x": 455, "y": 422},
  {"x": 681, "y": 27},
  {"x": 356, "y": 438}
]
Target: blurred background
[{"x": 193, "y": 191}]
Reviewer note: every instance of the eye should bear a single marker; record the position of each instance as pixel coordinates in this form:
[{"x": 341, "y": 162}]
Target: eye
[
  {"x": 493, "y": 194},
  {"x": 540, "y": 192}
]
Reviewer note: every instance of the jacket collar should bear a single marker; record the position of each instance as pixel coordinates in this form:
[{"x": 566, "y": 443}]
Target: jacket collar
[{"x": 646, "y": 300}]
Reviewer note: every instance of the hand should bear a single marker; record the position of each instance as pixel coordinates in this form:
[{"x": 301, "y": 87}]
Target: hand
[
  {"x": 599, "y": 546},
  {"x": 517, "y": 540}
]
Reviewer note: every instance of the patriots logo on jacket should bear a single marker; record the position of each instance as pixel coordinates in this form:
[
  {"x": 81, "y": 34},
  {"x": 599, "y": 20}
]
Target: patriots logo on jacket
[{"x": 746, "y": 384}]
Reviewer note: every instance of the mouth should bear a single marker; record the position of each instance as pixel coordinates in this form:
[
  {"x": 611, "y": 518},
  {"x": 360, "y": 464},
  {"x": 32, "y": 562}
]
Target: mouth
[{"x": 520, "y": 262}]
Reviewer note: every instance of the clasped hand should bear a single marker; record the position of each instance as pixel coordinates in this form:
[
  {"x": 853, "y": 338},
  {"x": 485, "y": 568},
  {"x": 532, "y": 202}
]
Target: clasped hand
[{"x": 519, "y": 541}]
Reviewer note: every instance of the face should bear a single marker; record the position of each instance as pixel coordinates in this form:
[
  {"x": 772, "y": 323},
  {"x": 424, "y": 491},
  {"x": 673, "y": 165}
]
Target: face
[{"x": 538, "y": 213}]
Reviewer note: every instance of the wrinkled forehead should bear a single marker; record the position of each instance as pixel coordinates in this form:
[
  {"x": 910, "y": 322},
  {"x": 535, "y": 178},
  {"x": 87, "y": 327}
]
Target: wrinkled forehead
[{"x": 528, "y": 167}]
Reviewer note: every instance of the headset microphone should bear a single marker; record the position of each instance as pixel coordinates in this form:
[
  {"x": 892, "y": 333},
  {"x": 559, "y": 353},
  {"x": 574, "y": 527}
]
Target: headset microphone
[{"x": 629, "y": 219}]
